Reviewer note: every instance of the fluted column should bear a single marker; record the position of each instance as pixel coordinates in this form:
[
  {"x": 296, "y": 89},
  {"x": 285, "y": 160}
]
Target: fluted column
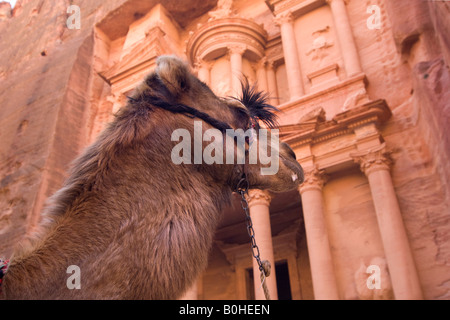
[
  {"x": 322, "y": 270},
  {"x": 236, "y": 52},
  {"x": 376, "y": 166},
  {"x": 259, "y": 202},
  {"x": 261, "y": 75},
  {"x": 204, "y": 71},
  {"x": 291, "y": 56},
  {"x": 272, "y": 83},
  {"x": 345, "y": 37}
]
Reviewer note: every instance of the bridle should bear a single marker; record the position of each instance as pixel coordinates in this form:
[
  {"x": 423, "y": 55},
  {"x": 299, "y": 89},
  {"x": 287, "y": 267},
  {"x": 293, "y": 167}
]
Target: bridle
[{"x": 190, "y": 112}]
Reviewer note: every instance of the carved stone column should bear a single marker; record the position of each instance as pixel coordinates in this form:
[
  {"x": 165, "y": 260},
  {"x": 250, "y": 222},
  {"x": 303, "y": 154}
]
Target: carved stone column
[
  {"x": 236, "y": 52},
  {"x": 345, "y": 36},
  {"x": 322, "y": 270},
  {"x": 191, "y": 293},
  {"x": 261, "y": 75},
  {"x": 272, "y": 83},
  {"x": 376, "y": 165},
  {"x": 204, "y": 71},
  {"x": 291, "y": 57},
  {"x": 259, "y": 202}
]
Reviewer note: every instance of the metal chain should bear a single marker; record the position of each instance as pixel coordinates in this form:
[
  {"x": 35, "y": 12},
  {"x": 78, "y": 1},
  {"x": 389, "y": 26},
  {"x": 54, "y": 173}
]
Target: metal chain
[{"x": 264, "y": 266}]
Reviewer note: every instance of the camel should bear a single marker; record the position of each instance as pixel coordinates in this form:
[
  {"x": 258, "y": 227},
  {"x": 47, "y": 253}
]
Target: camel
[{"x": 136, "y": 225}]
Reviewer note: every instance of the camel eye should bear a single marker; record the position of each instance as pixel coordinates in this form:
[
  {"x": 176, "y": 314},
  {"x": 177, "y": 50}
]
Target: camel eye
[{"x": 240, "y": 112}]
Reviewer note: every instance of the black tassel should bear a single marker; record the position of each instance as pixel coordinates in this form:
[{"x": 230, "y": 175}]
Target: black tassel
[{"x": 256, "y": 103}]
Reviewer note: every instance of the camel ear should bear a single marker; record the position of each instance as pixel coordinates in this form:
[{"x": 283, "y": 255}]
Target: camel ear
[{"x": 174, "y": 73}]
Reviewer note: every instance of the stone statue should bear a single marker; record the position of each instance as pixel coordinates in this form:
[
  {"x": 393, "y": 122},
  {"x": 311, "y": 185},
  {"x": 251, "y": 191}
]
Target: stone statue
[{"x": 223, "y": 10}]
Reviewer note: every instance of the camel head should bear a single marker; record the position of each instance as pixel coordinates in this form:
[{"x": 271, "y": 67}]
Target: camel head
[{"x": 227, "y": 138}]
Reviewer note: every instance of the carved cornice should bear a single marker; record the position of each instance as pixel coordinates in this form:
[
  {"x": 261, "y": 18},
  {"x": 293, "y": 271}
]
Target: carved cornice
[
  {"x": 297, "y": 7},
  {"x": 332, "y": 67},
  {"x": 315, "y": 179},
  {"x": 330, "y": 143},
  {"x": 376, "y": 112},
  {"x": 258, "y": 197},
  {"x": 374, "y": 160}
]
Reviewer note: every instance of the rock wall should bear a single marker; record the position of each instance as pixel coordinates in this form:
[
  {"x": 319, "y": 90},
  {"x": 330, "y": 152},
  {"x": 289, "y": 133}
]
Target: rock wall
[
  {"x": 45, "y": 71},
  {"x": 420, "y": 31}
]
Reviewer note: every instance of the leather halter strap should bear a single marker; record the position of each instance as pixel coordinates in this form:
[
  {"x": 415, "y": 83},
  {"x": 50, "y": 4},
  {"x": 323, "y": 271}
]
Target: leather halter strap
[{"x": 194, "y": 113}]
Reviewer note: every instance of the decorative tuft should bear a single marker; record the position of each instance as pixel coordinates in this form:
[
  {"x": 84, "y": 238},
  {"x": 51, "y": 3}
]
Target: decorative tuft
[{"x": 256, "y": 103}]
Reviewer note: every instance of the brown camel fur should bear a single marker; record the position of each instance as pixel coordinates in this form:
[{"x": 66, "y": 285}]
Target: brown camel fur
[{"x": 137, "y": 225}]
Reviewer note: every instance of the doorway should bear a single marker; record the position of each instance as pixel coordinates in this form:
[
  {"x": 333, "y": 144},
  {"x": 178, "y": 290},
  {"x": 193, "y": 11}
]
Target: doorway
[{"x": 283, "y": 281}]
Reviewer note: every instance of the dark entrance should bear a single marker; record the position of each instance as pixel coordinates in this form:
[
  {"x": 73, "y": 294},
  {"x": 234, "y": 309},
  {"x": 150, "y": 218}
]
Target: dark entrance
[{"x": 283, "y": 282}]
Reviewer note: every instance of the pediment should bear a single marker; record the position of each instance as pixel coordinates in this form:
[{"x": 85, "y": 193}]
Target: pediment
[
  {"x": 316, "y": 129},
  {"x": 140, "y": 56}
]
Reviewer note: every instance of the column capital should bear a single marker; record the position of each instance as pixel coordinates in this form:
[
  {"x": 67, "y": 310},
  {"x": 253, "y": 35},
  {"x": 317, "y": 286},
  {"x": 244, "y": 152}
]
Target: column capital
[
  {"x": 201, "y": 63},
  {"x": 271, "y": 64},
  {"x": 285, "y": 17},
  {"x": 237, "y": 48},
  {"x": 256, "y": 196},
  {"x": 261, "y": 63},
  {"x": 315, "y": 179},
  {"x": 374, "y": 160}
]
